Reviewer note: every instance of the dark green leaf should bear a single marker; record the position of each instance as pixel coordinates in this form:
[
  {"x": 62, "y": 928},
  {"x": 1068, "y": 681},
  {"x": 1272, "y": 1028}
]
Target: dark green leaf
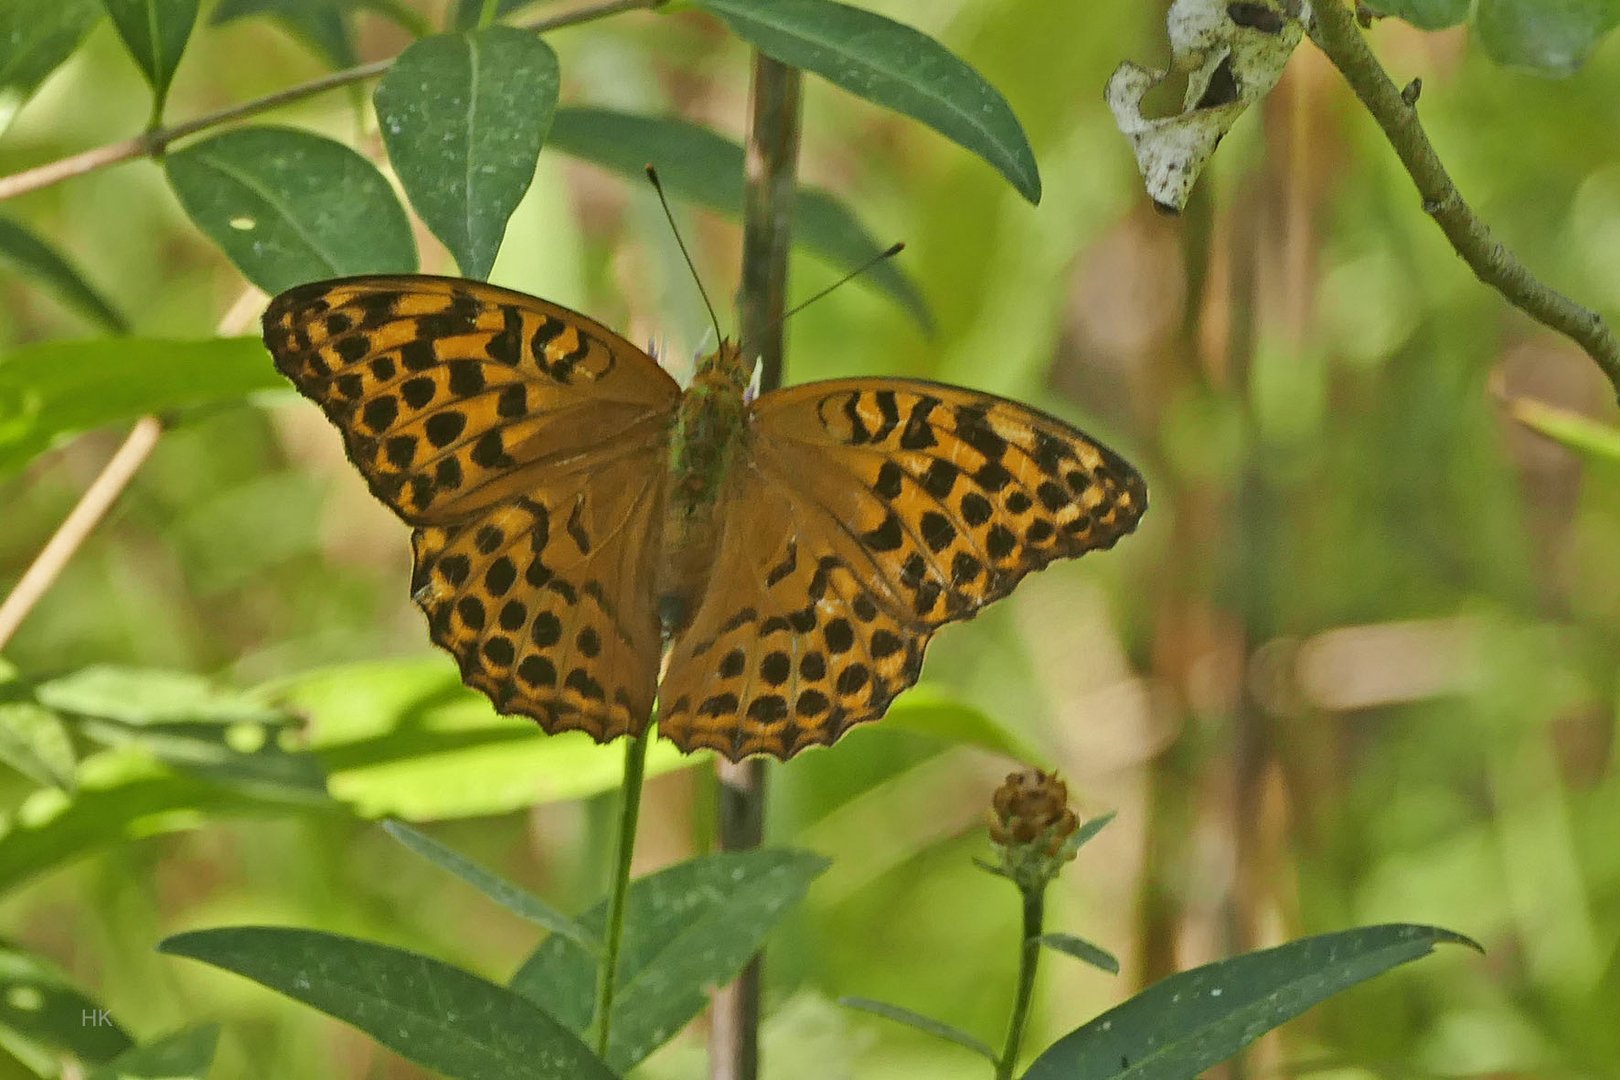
[
  {"x": 1192, "y": 1020},
  {"x": 34, "y": 741},
  {"x": 1082, "y": 950},
  {"x": 39, "y": 1006},
  {"x": 154, "y": 696},
  {"x": 290, "y": 207},
  {"x": 35, "y": 37},
  {"x": 38, "y": 261},
  {"x": 1091, "y": 827},
  {"x": 697, "y": 164},
  {"x": 467, "y": 12},
  {"x": 937, "y": 1028},
  {"x": 155, "y": 32},
  {"x": 185, "y": 1055},
  {"x": 318, "y": 23},
  {"x": 1427, "y": 14},
  {"x": 492, "y": 885},
  {"x": 434, "y": 1014},
  {"x": 687, "y": 928},
  {"x": 463, "y": 116},
  {"x": 1550, "y": 37},
  {"x": 51, "y": 391},
  {"x": 894, "y": 66}
]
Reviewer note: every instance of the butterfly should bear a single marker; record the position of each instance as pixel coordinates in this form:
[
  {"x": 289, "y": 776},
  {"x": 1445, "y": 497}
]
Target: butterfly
[{"x": 578, "y": 518}]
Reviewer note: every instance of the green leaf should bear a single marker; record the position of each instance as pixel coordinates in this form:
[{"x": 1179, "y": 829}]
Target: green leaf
[
  {"x": 931, "y": 709},
  {"x": 51, "y": 391},
  {"x": 33, "y": 258},
  {"x": 436, "y": 1015},
  {"x": 41, "y": 1007},
  {"x": 1090, "y": 828},
  {"x": 154, "y": 696},
  {"x": 466, "y": 13},
  {"x": 687, "y": 929},
  {"x": 699, "y": 165},
  {"x": 155, "y": 32},
  {"x": 1425, "y": 14},
  {"x": 404, "y": 738},
  {"x": 937, "y": 1028},
  {"x": 320, "y": 24},
  {"x": 35, "y": 37},
  {"x": 497, "y": 888},
  {"x": 34, "y": 741},
  {"x": 891, "y": 65},
  {"x": 1582, "y": 434},
  {"x": 185, "y": 1055},
  {"x": 1192, "y": 1020},
  {"x": 463, "y": 116},
  {"x": 247, "y": 757},
  {"x": 1082, "y": 950},
  {"x": 1549, "y": 37},
  {"x": 119, "y": 796},
  {"x": 290, "y": 207}
]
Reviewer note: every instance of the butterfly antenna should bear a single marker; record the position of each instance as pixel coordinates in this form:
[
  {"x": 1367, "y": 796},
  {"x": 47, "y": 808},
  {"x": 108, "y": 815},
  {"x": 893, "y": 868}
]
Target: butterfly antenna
[
  {"x": 888, "y": 253},
  {"x": 652, "y": 175}
]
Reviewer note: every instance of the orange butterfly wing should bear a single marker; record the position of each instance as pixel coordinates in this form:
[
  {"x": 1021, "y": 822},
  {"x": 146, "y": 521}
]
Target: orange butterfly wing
[
  {"x": 527, "y": 444},
  {"x": 862, "y": 515}
]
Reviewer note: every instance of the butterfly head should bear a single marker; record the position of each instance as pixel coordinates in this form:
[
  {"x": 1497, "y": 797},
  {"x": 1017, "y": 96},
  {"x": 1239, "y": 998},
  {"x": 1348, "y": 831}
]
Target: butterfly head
[{"x": 725, "y": 369}]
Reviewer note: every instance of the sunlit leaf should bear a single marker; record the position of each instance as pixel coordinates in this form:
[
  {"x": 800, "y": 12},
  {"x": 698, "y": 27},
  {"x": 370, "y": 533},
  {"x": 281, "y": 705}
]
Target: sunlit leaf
[
  {"x": 246, "y": 757},
  {"x": 155, "y": 31},
  {"x": 34, "y": 741},
  {"x": 185, "y": 1055},
  {"x": 1580, "y": 433},
  {"x": 154, "y": 696},
  {"x": 894, "y": 66},
  {"x": 699, "y": 165},
  {"x": 937, "y": 1028},
  {"x": 463, "y": 116},
  {"x": 931, "y": 709},
  {"x": 1551, "y": 37},
  {"x": 434, "y": 1014},
  {"x": 503, "y": 892},
  {"x": 1192, "y": 1020},
  {"x": 289, "y": 207},
  {"x": 1426, "y": 14},
  {"x": 41, "y": 1007},
  {"x": 35, "y": 37},
  {"x": 39, "y": 262},
  {"x": 61, "y": 388},
  {"x": 1082, "y": 950},
  {"x": 687, "y": 929}
]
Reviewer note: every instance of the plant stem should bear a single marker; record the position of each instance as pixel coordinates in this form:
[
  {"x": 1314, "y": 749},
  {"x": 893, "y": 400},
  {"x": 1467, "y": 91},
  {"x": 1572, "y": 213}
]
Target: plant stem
[
  {"x": 635, "y": 773},
  {"x": 770, "y": 169},
  {"x": 1029, "y": 958},
  {"x": 1333, "y": 28},
  {"x": 155, "y": 142}
]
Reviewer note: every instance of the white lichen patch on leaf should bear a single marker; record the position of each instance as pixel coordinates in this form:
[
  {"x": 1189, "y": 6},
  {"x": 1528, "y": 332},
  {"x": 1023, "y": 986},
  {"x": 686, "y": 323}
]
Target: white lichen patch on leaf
[{"x": 1232, "y": 53}]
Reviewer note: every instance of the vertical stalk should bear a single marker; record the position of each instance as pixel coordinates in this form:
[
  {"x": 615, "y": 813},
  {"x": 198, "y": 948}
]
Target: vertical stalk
[
  {"x": 1029, "y": 959},
  {"x": 635, "y": 772},
  {"x": 770, "y": 181}
]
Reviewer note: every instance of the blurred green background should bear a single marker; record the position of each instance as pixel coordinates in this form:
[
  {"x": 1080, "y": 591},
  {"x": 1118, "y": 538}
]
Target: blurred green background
[{"x": 1357, "y": 665}]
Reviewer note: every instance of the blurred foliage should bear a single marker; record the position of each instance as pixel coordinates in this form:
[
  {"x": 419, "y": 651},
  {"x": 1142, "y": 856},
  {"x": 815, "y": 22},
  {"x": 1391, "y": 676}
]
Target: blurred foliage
[{"x": 1359, "y": 664}]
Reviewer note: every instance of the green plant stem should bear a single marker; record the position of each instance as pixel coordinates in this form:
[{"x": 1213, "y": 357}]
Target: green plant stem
[
  {"x": 1029, "y": 959},
  {"x": 635, "y": 773}
]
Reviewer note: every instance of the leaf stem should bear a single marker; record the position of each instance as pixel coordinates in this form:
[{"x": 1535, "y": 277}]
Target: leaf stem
[
  {"x": 635, "y": 774},
  {"x": 1333, "y": 28},
  {"x": 153, "y": 143},
  {"x": 1029, "y": 959}
]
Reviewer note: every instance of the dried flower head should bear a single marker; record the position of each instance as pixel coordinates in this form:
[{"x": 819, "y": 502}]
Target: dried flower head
[{"x": 1032, "y": 826}]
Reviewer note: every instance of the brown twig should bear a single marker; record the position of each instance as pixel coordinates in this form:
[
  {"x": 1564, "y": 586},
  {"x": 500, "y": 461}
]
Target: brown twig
[
  {"x": 1333, "y": 28},
  {"x": 771, "y": 167},
  {"x": 156, "y": 141}
]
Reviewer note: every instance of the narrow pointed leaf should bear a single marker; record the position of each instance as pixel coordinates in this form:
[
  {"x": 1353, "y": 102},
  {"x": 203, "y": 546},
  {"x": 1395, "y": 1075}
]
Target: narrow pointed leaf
[
  {"x": 497, "y": 888},
  {"x": 1082, "y": 950},
  {"x": 35, "y": 37},
  {"x": 185, "y": 1055},
  {"x": 463, "y": 116},
  {"x": 40, "y": 1006},
  {"x": 1192, "y": 1020},
  {"x": 154, "y": 696},
  {"x": 289, "y": 207},
  {"x": 320, "y": 24},
  {"x": 1582, "y": 434},
  {"x": 1090, "y": 828},
  {"x": 436, "y": 1015},
  {"x": 706, "y": 168},
  {"x": 34, "y": 741},
  {"x": 155, "y": 32},
  {"x": 891, "y": 65},
  {"x": 937, "y": 1028},
  {"x": 687, "y": 929},
  {"x": 39, "y": 262}
]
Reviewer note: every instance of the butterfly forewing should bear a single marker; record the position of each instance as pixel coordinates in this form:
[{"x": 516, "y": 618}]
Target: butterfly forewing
[
  {"x": 866, "y": 514},
  {"x": 527, "y": 443}
]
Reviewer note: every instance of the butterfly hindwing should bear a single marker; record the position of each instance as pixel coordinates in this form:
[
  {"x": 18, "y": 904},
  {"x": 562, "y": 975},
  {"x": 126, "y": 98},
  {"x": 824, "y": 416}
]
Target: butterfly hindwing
[
  {"x": 527, "y": 445},
  {"x": 866, "y": 514}
]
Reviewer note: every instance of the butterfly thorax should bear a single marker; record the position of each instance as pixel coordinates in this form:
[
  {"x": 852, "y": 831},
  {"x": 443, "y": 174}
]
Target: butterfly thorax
[{"x": 709, "y": 425}]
